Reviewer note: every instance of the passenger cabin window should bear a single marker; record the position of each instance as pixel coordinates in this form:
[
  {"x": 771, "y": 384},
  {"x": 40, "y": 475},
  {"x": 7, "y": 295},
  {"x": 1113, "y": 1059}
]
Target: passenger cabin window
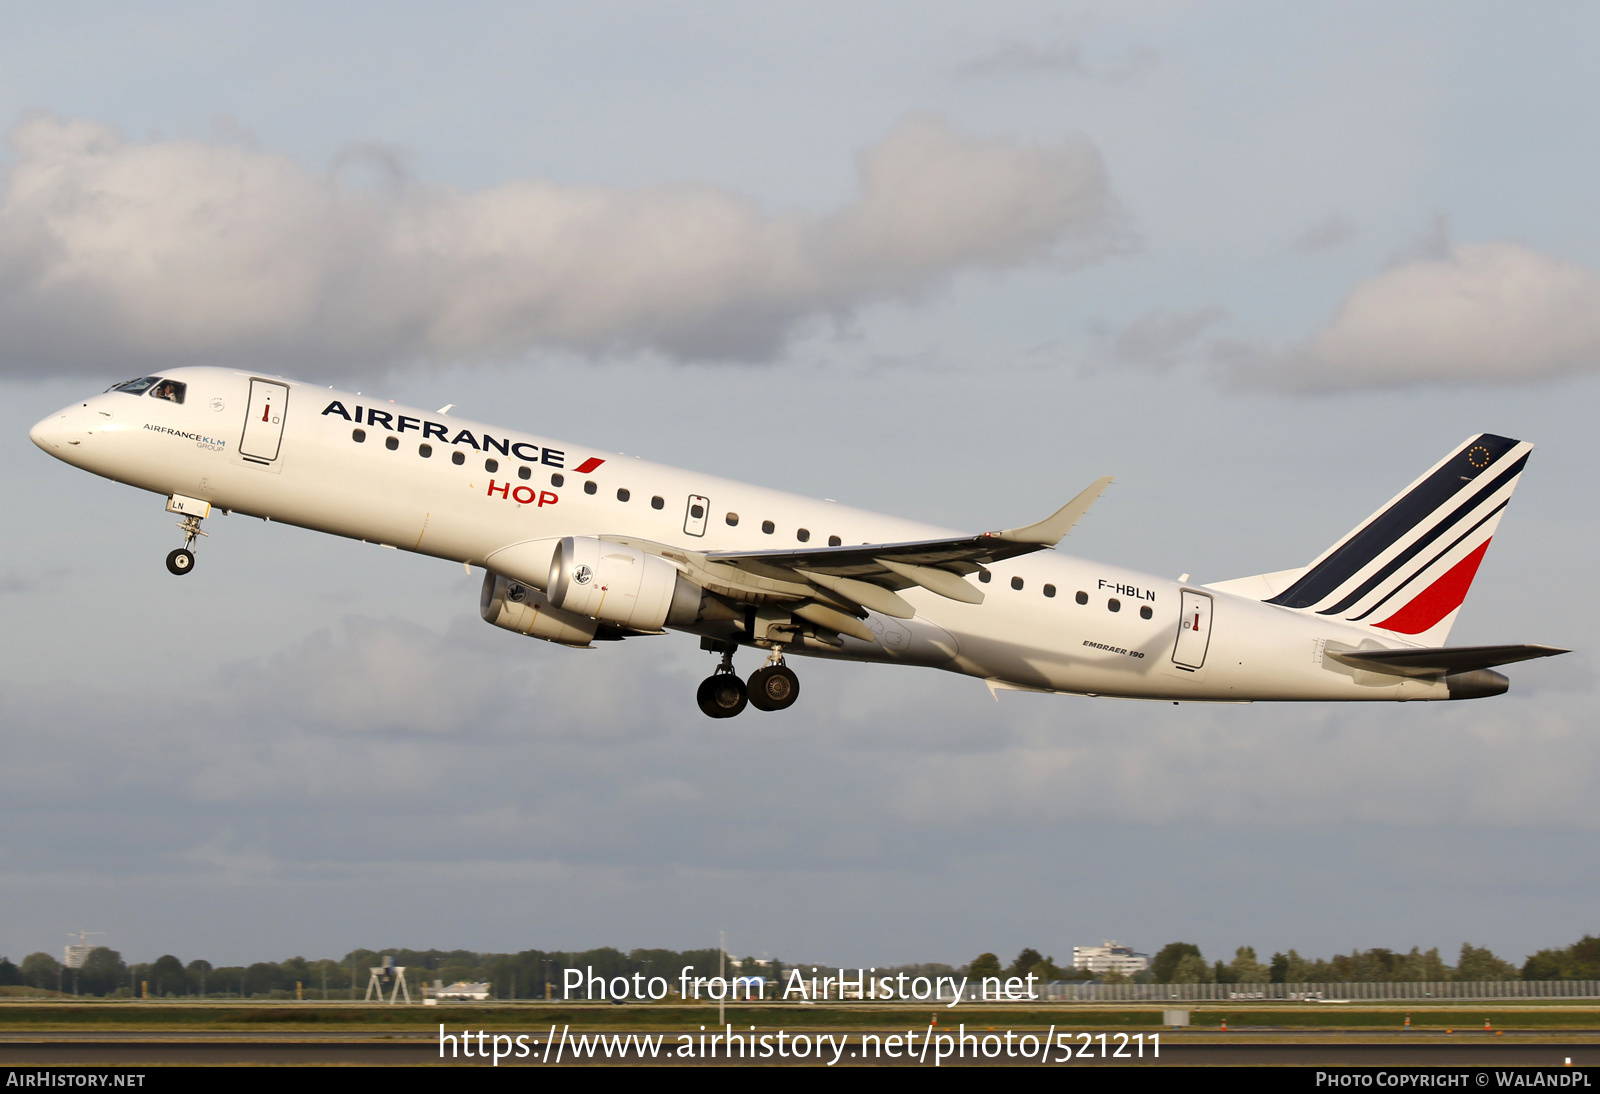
[
  {"x": 524, "y": 472},
  {"x": 1016, "y": 583},
  {"x": 170, "y": 390},
  {"x": 1145, "y": 612},
  {"x": 391, "y": 443},
  {"x": 803, "y": 536},
  {"x": 458, "y": 458},
  {"x": 623, "y": 494},
  {"x": 424, "y": 450},
  {"x": 491, "y": 466},
  {"x": 1082, "y": 597},
  {"x": 656, "y": 502},
  {"x": 697, "y": 511},
  {"x": 768, "y": 527},
  {"x": 358, "y": 435},
  {"x": 733, "y": 519},
  {"x": 556, "y": 480},
  {"x": 1049, "y": 590},
  {"x": 834, "y": 541},
  {"x": 1114, "y": 605},
  {"x": 984, "y": 575},
  {"x": 589, "y": 487}
]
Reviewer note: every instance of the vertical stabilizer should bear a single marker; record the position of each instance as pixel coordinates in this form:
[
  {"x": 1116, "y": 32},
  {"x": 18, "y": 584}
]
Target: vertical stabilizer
[{"x": 1407, "y": 568}]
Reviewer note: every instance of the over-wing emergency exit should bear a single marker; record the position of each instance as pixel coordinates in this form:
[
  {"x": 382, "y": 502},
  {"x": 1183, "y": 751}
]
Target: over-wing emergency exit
[{"x": 578, "y": 547}]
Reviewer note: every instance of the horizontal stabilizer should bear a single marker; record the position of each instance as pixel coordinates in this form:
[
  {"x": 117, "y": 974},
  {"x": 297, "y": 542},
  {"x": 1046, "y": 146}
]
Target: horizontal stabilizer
[{"x": 1446, "y": 661}]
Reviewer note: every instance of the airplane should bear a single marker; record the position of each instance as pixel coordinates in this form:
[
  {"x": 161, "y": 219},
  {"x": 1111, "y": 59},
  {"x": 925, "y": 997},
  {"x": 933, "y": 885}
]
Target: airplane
[{"x": 580, "y": 546}]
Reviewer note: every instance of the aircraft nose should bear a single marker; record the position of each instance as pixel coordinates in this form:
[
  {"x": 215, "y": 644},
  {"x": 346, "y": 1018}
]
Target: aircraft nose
[{"x": 47, "y": 434}]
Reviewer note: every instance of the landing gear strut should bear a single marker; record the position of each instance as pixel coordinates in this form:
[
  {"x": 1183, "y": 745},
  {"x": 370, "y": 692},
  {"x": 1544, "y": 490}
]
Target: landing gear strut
[
  {"x": 181, "y": 561},
  {"x": 722, "y": 694}
]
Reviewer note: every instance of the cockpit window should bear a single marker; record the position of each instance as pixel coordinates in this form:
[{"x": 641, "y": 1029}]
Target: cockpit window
[
  {"x": 135, "y": 387},
  {"x": 170, "y": 390}
]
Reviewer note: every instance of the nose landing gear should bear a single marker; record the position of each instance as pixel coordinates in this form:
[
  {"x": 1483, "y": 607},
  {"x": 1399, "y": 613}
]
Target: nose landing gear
[{"x": 193, "y": 512}]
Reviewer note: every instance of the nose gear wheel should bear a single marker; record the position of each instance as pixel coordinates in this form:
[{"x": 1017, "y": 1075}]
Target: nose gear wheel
[{"x": 181, "y": 561}]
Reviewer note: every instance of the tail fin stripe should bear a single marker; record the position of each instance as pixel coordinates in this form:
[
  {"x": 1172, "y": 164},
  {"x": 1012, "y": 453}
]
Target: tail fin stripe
[
  {"x": 1439, "y": 599},
  {"x": 1420, "y": 570},
  {"x": 1427, "y": 538},
  {"x": 1414, "y": 507}
]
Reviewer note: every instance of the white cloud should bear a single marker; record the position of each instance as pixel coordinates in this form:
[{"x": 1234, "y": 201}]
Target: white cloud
[
  {"x": 1480, "y": 313},
  {"x": 186, "y": 251}
]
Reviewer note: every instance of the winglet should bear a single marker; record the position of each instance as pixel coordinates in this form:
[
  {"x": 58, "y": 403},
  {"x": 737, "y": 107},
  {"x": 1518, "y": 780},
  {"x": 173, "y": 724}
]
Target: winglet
[{"x": 1053, "y": 529}]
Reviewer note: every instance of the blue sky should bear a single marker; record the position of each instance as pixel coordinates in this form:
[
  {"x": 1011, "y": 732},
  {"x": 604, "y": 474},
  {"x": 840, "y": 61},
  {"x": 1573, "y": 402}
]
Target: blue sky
[{"x": 1288, "y": 257}]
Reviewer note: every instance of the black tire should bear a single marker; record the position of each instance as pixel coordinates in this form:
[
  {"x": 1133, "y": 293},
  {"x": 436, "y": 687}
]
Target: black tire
[
  {"x": 722, "y": 695},
  {"x": 180, "y": 561},
  {"x": 775, "y": 687}
]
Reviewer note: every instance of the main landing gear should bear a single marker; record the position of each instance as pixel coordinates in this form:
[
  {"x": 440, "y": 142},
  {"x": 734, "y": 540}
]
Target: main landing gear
[{"x": 774, "y": 686}]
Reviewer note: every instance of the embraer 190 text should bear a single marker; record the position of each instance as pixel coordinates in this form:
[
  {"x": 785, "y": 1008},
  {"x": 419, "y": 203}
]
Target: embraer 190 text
[{"x": 578, "y": 546}]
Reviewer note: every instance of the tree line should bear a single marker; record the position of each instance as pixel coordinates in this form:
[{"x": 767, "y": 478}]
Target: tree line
[
  {"x": 512, "y": 976},
  {"x": 525, "y": 975},
  {"x": 1183, "y": 963}
]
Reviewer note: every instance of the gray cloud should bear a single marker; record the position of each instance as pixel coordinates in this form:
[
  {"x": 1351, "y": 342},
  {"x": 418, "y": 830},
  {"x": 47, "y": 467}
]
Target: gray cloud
[
  {"x": 205, "y": 251},
  {"x": 385, "y": 742},
  {"x": 380, "y": 769},
  {"x": 1066, "y": 59},
  {"x": 1160, "y": 339},
  {"x": 1013, "y": 58},
  {"x": 12, "y": 582},
  {"x": 1326, "y": 234},
  {"x": 1497, "y": 312}
]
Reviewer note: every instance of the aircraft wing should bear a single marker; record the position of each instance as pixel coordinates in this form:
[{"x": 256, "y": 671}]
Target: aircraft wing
[
  {"x": 870, "y": 574},
  {"x": 1442, "y": 661}
]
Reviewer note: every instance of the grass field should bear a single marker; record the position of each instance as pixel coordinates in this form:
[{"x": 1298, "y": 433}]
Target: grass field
[{"x": 22, "y": 1016}]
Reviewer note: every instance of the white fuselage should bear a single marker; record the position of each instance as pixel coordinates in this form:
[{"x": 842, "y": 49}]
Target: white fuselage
[{"x": 319, "y": 477}]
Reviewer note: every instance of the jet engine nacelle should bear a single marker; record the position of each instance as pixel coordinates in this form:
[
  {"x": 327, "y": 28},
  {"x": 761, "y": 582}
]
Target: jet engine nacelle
[
  {"x": 516, "y": 607},
  {"x": 620, "y": 584}
]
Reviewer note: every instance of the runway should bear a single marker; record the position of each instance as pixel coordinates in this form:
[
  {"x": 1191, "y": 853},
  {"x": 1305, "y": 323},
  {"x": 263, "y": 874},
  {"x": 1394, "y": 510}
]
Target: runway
[{"x": 102, "y": 1050}]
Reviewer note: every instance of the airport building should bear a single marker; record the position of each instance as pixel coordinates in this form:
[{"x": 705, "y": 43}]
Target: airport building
[{"x": 1109, "y": 956}]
